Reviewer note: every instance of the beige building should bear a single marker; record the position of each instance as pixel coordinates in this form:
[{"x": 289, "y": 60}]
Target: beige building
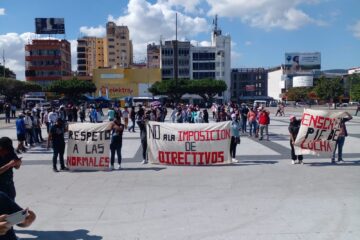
[
  {"x": 120, "y": 82},
  {"x": 153, "y": 56},
  {"x": 91, "y": 54},
  {"x": 119, "y": 46}
]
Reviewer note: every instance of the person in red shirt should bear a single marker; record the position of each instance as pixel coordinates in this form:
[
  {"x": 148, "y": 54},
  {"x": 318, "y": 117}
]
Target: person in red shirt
[{"x": 264, "y": 121}]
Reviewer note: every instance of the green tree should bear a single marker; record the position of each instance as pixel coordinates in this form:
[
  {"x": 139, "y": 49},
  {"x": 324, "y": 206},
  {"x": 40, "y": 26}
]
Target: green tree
[
  {"x": 170, "y": 88},
  {"x": 8, "y": 72},
  {"x": 206, "y": 88},
  {"x": 298, "y": 94},
  {"x": 72, "y": 89},
  {"x": 14, "y": 89},
  {"x": 329, "y": 89},
  {"x": 354, "y": 87}
]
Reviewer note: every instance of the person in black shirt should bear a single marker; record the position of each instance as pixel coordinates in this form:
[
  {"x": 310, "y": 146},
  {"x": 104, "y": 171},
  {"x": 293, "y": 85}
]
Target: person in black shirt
[
  {"x": 341, "y": 138},
  {"x": 7, "y": 207},
  {"x": 294, "y": 127},
  {"x": 143, "y": 137},
  {"x": 117, "y": 129},
  {"x": 56, "y": 137},
  {"x": 8, "y": 161}
]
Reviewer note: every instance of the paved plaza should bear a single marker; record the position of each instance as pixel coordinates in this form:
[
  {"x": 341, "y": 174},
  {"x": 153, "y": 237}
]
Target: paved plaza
[{"x": 262, "y": 197}]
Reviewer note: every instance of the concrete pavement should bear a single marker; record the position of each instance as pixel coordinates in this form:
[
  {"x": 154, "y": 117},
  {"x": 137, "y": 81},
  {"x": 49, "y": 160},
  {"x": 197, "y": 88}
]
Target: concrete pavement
[{"x": 262, "y": 197}]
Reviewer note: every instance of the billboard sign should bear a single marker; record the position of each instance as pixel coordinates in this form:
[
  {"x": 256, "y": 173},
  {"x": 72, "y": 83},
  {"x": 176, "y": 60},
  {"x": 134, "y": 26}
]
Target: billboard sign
[
  {"x": 295, "y": 62},
  {"x": 303, "y": 81},
  {"x": 49, "y": 26}
]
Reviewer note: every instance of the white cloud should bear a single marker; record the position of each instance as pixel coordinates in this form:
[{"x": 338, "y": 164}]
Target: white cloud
[
  {"x": 2, "y": 11},
  {"x": 266, "y": 14},
  {"x": 356, "y": 29},
  {"x": 200, "y": 43},
  {"x": 248, "y": 43},
  {"x": 93, "y": 31},
  {"x": 14, "y": 46},
  {"x": 148, "y": 22},
  {"x": 190, "y": 6}
]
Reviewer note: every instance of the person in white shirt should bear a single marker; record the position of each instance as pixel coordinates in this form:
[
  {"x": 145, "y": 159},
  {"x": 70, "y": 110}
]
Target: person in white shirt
[{"x": 52, "y": 117}]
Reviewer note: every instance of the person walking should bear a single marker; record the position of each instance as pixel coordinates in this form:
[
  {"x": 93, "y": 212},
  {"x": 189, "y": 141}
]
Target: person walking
[
  {"x": 13, "y": 111},
  {"x": 294, "y": 127},
  {"x": 341, "y": 138},
  {"x": 29, "y": 129},
  {"x": 264, "y": 121},
  {"x": 8, "y": 161},
  {"x": 7, "y": 108},
  {"x": 125, "y": 115},
  {"x": 243, "y": 111},
  {"x": 235, "y": 136},
  {"x": 141, "y": 122},
  {"x": 117, "y": 129},
  {"x": 251, "y": 117},
  {"x": 56, "y": 137},
  {"x": 132, "y": 118},
  {"x": 205, "y": 116},
  {"x": 357, "y": 109},
  {"x": 20, "y": 133}
]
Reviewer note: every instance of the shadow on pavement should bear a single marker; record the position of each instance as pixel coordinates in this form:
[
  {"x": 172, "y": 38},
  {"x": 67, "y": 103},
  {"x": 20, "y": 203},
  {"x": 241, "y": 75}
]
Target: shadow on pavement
[
  {"x": 141, "y": 169},
  {"x": 338, "y": 164},
  {"x": 80, "y": 234}
]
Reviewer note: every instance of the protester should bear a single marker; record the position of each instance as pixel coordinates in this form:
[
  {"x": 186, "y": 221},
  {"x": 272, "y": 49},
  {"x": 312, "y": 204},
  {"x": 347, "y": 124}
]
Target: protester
[
  {"x": 143, "y": 137},
  {"x": 99, "y": 115},
  {"x": 125, "y": 115},
  {"x": 29, "y": 129},
  {"x": 341, "y": 138},
  {"x": 111, "y": 114},
  {"x": 20, "y": 133},
  {"x": 8, "y": 161},
  {"x": 56, "y": 137},
  {"x": 294, "y": 127},
  {"x": 132, "y": 118},
  {"x": 8, "y": 207},
  {"x": 117, "y": 129},
  {"x": 13, "y": 111},
  {"x": 82, "y": 114},
  {"x": 357, "y": 109},
  {"x": 235, "y": 136},
  {"x": 244, "y": 111},
  {"x": 45, "y": 120},
  {"x": 251, "y": 118},
  {"x": 264, "y": 121},
  {"x": 7, "y": 108},
  {"x": 52, "y": 117},
  {"x": 206, "y": 116}
]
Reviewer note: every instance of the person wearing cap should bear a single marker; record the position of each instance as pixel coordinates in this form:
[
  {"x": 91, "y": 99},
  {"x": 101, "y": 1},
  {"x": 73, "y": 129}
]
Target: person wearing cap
[
  {"x": 235, "y": 136},
  {"x": 20, "y": 133},
  {"x": 56, "y": 137},
  {"x": 294, "y": 127}
]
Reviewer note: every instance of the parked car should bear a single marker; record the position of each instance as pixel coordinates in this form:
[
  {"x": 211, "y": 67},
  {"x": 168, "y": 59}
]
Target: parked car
[{"x": 353, "y": 103}]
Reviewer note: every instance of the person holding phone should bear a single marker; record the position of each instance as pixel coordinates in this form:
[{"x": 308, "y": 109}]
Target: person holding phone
[
  {"x": 8, "y": 209},
  {"x": 8, "y": 161}
]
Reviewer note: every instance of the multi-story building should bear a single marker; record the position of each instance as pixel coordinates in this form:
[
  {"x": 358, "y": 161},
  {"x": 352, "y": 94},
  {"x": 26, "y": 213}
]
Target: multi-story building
[
  {"x": 119, "y": 46},
  {"x": 153, "y": 56},
  {"x": 47, "y": 60},
  {"x": 249, "y": 84},
  {"x": 196, "y": 62},
  {"x": 175, "y": 65},
  {"x": 91, "y": 54}
]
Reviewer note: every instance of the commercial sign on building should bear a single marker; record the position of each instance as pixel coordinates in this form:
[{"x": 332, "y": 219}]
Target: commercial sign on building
[
  {"x": 295, "y": 62},
  {"x": 112, "y": 76},
  {"x": 49, "y": 26},
  {"x": 250, "y": 88},
  {"x": 303, "y": 81}
]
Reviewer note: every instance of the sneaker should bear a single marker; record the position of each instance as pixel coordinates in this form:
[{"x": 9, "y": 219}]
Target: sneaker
[
  {"x": 112, "y": 167},
  {"x": 64, "y": 169},
  {"x": 301, "y": 162},
  {"x": 234, "y": 160},
  {"x": 293, "y": 162},
  {"x": 119, "y": 167},
  {"x": 144, "y": 162},
  {"x": 55, "y": 170},
  {"x": 340, "y": 160}
]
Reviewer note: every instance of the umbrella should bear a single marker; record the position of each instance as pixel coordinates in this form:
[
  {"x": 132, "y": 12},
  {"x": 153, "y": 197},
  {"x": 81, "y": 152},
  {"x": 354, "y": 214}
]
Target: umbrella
[{"x": 155, "y": 103}]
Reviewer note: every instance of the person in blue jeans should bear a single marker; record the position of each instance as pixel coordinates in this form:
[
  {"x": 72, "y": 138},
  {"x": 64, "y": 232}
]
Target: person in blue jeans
[
  {"x": 117, "y": 129},
  {"x": 341, "y": 138}
]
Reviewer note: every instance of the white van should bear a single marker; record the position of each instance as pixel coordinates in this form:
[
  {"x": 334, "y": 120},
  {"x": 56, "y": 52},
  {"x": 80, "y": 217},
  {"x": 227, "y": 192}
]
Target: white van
[{"x": 258, "y": 103}]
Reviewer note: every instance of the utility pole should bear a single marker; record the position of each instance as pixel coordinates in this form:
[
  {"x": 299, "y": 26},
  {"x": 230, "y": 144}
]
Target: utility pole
[
  {"x": 4, "y": 61},
  {"x": 175, "y": 46}
]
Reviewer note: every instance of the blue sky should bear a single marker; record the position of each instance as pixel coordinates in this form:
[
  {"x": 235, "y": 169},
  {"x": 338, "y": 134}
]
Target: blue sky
[{"x": 261, "y": 31}]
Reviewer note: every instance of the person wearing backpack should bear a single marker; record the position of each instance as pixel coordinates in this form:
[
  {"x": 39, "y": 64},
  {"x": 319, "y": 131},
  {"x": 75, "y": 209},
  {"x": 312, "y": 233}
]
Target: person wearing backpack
[{"x": 264, "y": 121}]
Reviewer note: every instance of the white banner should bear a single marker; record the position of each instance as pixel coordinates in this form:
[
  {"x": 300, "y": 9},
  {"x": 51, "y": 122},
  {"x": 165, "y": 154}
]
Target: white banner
[
  {"x": 318, "y": 132},
  {"x": 189, "y": 144},
  {"x": 88, "y": 146}
]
